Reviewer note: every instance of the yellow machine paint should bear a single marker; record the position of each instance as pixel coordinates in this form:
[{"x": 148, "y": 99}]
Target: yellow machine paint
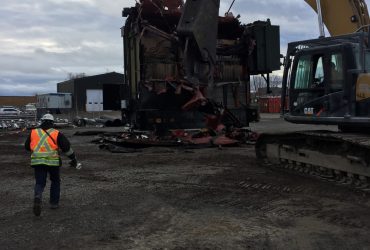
[
  {"x": 363, "y": 87},
  {"x": 342, "y": 16}
]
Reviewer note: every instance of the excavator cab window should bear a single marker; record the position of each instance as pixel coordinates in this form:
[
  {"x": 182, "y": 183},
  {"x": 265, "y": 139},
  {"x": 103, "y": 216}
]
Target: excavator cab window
[
  {"x": 309, "y": 77},
  {"x": 367, "y": 61},
  {"x": 302, "y": 78},
  {"x": 310, "y": 72},
  {"x": 319, "y": 73},
  {"x": 336, "y": 72}
]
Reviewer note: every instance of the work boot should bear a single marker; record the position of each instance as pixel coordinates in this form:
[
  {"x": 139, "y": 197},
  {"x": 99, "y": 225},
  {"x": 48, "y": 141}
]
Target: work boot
[
  {"x": 54, "y": 206},
  {"x": 37, "y": 206}
]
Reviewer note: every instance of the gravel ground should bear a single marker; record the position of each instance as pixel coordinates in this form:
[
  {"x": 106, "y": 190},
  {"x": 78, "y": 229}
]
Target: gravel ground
[{"x": 165, "y": 198}]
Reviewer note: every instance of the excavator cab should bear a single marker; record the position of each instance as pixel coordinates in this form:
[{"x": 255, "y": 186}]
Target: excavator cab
[
  {"x": 327, "y": 81},
  {"x": 321, "y": 81},
  {"x": 318, "y": 83}
]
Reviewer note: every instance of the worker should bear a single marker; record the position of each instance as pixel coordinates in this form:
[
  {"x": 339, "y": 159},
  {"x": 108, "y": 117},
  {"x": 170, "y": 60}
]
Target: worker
[
  {"x": 335, "y": 74},
  {"x": 44, "y": 143},
  {"x": 336, "y": 78}
]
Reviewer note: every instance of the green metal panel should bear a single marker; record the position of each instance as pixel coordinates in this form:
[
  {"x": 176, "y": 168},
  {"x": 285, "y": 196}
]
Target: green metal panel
[{"x": 266, "y": 54}]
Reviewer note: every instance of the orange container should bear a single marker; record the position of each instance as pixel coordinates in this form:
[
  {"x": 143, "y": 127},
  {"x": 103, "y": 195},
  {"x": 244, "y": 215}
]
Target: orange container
[{"x": 270, "y": 104}]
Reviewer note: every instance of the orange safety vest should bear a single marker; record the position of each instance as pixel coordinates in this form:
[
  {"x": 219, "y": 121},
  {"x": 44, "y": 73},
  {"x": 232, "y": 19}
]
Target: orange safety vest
[{"x": 44, "y": 147}]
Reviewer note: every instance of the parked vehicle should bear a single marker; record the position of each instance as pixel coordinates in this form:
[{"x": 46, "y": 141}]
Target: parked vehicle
[
  {"x": 9, "y": 111},
  {"x": 30, "y": 108}
]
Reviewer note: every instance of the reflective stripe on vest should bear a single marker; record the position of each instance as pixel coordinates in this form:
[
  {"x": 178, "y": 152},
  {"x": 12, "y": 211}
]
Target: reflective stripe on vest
[{"x": 44, "y": 150}]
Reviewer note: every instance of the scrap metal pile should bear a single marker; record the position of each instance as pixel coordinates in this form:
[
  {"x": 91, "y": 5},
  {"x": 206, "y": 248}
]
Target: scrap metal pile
[
  {"x": 103, "y": 121},
  {"x": 184, "y": 62},
  {"x": 18, "y": 125},
  {"x": 126, "y": 142},
  {"x": 189, "y": 68},
  {"x": 10, "y": 125}
]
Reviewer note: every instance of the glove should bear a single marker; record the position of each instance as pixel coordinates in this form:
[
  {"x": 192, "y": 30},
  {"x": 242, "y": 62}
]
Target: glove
[{"x": 73, "y": 163}]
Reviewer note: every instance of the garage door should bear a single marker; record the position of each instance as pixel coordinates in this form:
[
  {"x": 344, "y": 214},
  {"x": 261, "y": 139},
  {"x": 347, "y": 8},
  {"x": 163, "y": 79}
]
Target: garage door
[{"x": 94, "y": 100}]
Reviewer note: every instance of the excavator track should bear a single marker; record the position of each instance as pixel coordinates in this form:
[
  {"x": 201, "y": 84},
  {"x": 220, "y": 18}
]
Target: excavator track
[{"x": 337, "y": 157}]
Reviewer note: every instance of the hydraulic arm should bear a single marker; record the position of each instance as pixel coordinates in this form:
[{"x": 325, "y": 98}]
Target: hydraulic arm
[{"x": 342, "y": 16}]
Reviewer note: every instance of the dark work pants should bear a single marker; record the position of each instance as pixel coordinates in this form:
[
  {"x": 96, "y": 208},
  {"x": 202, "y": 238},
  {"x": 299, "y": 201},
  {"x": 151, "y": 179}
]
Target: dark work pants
[{"x": 41, "y": 172}]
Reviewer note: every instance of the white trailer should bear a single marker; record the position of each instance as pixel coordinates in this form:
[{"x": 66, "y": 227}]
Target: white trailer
[{"x": 54, "y": 101}]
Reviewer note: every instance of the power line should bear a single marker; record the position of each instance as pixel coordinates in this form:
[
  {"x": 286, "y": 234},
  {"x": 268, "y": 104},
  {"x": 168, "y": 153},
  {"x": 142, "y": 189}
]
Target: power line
[{"x": 231, "y": 6}]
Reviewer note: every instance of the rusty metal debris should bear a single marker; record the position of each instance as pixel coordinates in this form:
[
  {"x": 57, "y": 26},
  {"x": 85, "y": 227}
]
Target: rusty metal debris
[
  {"x": 177, "y": 74},
  {"x": 193, "y": 138},
  {"x": 103, "y": 121}
]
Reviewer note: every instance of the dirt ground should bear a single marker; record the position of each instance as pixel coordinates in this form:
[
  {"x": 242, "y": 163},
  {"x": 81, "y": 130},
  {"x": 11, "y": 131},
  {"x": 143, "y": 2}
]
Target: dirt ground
[{"x": 165, "y": 198}]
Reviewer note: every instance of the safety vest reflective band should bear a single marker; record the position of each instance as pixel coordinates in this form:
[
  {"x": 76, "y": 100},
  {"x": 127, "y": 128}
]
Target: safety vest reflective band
[{"x": 44, "y": 147}]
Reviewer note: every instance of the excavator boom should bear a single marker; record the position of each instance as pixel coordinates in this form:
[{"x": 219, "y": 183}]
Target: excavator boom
[{"x": 347, "y": 16}]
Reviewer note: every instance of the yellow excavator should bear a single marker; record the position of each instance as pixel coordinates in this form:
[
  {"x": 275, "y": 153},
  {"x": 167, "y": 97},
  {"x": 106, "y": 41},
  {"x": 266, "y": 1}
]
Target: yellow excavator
[
  {"x": 327, "y": 81},
  {"x": 341, "y": 16}
]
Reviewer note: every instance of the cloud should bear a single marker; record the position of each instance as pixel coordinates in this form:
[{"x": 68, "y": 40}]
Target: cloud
[{"x": 42, "y": 41}]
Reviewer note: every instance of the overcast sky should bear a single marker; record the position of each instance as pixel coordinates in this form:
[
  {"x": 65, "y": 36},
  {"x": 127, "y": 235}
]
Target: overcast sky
[{"x": 42, "y": 41}]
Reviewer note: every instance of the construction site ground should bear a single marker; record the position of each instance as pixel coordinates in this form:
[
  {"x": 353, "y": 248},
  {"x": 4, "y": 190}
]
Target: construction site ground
[{"x": 176, "y": 198}]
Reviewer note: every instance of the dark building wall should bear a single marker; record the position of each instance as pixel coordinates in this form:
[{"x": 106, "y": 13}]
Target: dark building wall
[
  {"x": 112, "y": 96},
  {"x": 66, "y": 87},
  {"x": 79, "y": 86}
]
